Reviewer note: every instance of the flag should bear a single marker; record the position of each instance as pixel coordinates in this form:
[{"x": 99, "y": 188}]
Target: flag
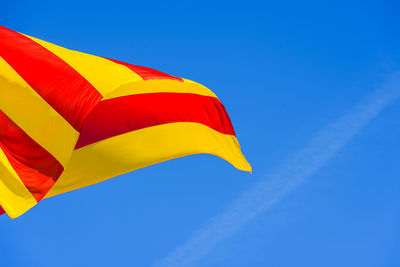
[{"x": 70, "y": 120}]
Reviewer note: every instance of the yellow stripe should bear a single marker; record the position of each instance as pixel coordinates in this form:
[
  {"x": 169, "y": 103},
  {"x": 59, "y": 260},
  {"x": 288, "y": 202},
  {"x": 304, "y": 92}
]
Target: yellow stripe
[
  {"x": 130, "y": 151},
  {"x": 102, "y": 73},
  {"x": 160, "y": 86},
  {"x": 15, "y": 198},
  {"x": 34, "y": 115}
]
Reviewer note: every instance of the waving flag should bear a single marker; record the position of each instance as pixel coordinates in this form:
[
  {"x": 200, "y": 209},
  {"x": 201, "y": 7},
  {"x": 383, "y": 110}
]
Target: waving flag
[{"x": 70, "y": 119}]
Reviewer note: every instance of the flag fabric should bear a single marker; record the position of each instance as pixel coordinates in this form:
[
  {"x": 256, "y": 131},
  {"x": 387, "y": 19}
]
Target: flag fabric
[{"x": 70, "y": 119}]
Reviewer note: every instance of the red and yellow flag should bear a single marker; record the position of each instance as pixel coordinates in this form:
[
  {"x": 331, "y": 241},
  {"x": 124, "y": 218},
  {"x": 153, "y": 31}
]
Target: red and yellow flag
[{"x": 70, "y": 119}]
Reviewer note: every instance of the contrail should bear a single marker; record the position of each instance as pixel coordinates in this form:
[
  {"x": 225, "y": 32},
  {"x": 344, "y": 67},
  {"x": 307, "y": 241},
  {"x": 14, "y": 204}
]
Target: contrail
[{"x": 292, "y": 173}]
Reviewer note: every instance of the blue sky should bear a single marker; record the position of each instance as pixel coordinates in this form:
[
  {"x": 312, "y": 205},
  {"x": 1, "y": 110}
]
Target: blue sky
[{"x": 284, "y": 70}]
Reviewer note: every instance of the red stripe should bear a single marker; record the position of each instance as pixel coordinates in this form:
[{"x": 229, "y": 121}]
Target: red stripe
[
  {"x": 55, "y": 81},
  {"x": 147, "y": 73},
  {"x": 128, "y": 113},
  {"x": 36, "y": 167},
  {"x": 2, "y": 211}
]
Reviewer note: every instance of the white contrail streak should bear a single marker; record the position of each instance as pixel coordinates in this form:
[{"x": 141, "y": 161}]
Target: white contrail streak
[{"x": 287, "y": 177}]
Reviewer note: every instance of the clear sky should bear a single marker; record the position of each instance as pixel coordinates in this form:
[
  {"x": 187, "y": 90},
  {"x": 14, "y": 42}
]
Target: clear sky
[{"x": 284, "y": 70}]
